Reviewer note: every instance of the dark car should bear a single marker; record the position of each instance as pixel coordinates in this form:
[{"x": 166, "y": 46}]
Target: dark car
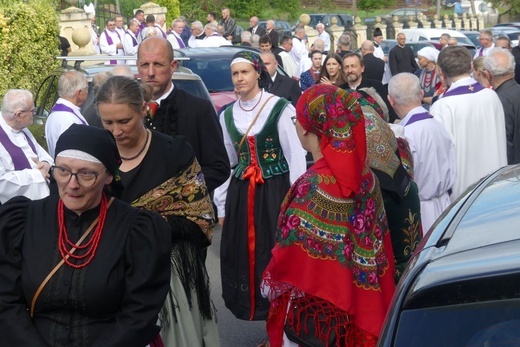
[
  {"x": 473, "y": 36},
  {"x": 402, "y": 14},
  {"x": 509, "y": 24},
  {"x": 47, "y": 93},
  {"x": 212, "y": 65},
  {"x": 462, "y": 285},
  {"x": 341, "y": 19},
  {"x": 283, "y": 28}
]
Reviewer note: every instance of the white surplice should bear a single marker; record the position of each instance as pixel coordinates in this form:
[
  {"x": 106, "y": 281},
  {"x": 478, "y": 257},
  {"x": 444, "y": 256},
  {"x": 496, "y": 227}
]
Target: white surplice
[
  {"x": 477, "y": 125},
  {"x": 435, "y": 165},
  {"x": 27, "y": 182}
]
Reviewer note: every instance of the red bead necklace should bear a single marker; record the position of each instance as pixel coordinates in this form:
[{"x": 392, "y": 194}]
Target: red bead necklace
[{"x": 64, "y": 244}]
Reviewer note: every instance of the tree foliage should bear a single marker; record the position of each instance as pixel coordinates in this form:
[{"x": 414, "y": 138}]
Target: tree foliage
[
  {"x": 371, "y": 5},
  {"x": 28, "y": 43},
  {"x": 511, "y": 6}
]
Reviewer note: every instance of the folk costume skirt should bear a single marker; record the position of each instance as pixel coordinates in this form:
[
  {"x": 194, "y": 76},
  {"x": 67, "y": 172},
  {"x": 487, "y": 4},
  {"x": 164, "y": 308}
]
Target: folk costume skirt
[{"x": 245, "y": 302}]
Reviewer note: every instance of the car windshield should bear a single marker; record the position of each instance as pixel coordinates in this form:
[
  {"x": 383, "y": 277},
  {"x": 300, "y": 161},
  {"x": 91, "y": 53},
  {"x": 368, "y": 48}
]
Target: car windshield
[
  {"x": 213, "y": 71},
  {"x": 491, "y": 323}
]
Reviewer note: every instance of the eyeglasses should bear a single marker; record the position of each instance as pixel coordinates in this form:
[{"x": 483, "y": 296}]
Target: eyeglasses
[
  {"x": 483, "y": 38},
  {"x": 85, "y": 178}
]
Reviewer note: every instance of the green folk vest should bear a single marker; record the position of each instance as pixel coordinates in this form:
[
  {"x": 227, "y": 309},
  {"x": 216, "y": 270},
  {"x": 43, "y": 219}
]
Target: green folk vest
[{"x": 269, "y": 154}]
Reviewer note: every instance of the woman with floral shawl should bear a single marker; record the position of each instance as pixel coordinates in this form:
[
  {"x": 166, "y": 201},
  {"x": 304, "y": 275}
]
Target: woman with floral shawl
[
  {"x": 330, "y": 279},
  {"x": 160, "y": 173}
]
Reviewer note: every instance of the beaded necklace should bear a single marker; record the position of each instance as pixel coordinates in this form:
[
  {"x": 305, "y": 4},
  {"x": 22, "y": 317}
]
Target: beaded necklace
[
  {"x": 142, "y": 149},
  {"x": 251, "y": 109},
  {"x": 64, "y": 243}
]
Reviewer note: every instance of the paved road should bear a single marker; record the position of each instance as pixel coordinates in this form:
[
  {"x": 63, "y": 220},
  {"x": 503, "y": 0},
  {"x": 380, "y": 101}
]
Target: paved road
[{"x": 233, "y": 332}]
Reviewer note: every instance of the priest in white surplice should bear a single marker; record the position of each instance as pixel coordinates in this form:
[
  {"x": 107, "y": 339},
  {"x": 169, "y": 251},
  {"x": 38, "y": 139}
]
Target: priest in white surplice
[
  {"x": 433, "y": 151},
  {"x": 24, "y": 164},
  {"x": 111, "y": 42},
  {"x": 474, "y": 116}
]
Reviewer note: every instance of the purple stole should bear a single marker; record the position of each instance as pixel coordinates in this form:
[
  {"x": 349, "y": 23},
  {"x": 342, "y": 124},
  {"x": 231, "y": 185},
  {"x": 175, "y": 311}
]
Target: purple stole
[
  {"x": 110, "y": 42},
  {"x": 180, "y": 42},
  {"x": 65, "y": 108},
  {"x": 19, "y": 158},
  {"x": 418, "y": 116},
  {"x": 134, "y": 41},
  {"x": 163, "y": 33},
  {"x": 472, "y": 88}
]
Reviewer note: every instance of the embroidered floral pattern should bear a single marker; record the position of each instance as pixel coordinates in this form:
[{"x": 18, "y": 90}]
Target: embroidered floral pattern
[{"x": 349, "y": 231}]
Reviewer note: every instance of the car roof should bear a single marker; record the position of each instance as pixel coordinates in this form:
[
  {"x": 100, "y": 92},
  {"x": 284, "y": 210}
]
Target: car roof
[
  {"x": 433, "y": 32},
  {"x": 478, "y": 238}
]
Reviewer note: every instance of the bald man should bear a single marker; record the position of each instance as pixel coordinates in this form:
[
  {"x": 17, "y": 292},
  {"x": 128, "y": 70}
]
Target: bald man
[{"x": 374, "y": 67}]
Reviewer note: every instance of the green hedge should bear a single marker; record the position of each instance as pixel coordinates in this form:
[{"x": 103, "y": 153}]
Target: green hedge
[{"x": 28, "y": 43}]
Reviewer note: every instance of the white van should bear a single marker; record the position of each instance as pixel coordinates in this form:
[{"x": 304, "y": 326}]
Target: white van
[{"x": 427, "y": 34}]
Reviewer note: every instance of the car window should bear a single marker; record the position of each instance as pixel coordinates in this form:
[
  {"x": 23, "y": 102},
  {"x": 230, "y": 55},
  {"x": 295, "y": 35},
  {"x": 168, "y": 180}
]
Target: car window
[
  {"x": 397, "y": 13},
  {"x": 194, "y": 87},
  {"x": 490, "y": 323},
  {"x": 214, "y": 72},
  {"x": 46, "y": 96},
  {"x": 422, "y": 38}
]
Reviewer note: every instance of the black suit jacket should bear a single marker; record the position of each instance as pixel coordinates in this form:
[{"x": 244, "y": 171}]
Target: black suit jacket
[
  {"x": 374, "y": 67},
  {"x": 286, "y": 87},
  {"x": 273, "y": 35},
  {"x": 402, "y": 59},
  {"x": 259, "y": 30},
  {"x": 195, "y": 118},
  {"x": 381, "y": 90}
]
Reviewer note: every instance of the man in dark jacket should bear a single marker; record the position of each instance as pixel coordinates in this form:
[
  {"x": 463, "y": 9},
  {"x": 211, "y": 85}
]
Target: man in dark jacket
[
  {"x": 500, "y": 68},
  {"x": 180, "y": 113},
  {"x": 282, "y": 86},
  {"x": 401, "y": 57},
  {"x": 374, "y": 67}
]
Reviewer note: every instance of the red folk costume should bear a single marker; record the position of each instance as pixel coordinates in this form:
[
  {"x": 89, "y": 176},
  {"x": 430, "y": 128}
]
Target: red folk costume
[{"x": 333, "y": 260}]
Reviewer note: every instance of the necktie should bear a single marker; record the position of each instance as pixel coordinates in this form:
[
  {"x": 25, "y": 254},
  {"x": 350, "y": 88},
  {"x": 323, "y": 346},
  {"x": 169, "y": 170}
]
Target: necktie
[
  {"x": 254, "y": 30},
  {"x": 152, "y": 108}
]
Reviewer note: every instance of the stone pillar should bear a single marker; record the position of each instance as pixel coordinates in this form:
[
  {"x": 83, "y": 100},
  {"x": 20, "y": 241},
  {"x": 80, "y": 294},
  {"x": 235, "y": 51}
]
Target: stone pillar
[
  {"x": 473, "y": 22},
  {"x": 412, "y": 24},
  {"x": 398, "y": 26},
  {"x": 437, "y": 24},
  {"x": 72, "y": 19},
  {"x": 457, "y": 22},
  {"x": 155, "y": 9},
  {"x": 480, "y": 22},
  {"x": 422, "y": 21},
  {"x": 448, "y": 24},
  {"x": 312, "y": 34},
  {"x": 361, "y": 34}
]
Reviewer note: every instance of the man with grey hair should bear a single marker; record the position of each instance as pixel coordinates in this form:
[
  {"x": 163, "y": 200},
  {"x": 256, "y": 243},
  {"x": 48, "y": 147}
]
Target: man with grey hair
[
  {"x": 24, "y": 164},
  {"x": 443, "y": 40},
  {"x": 486, "y": 43},
  {"x": 254, "y": 28},
  {"x": 323, "y": 35},
  {"x": 474, "y": 117},
  {"x": 245, "y": 38},
  {"x": 73, "y": 92},
  {"x": 255, "y": 41},
  {"x": 500, "y": 70},
  {"x": 343, "y": 45},
  {"x": 401, "y": 57},
  {"x": 503, "y": 42},
  {"x": 433, "y": 150},
  {"x": 197, "y": 34},
  {"x": 270, "y": 31},
  {"x": 213, "y": 38}
]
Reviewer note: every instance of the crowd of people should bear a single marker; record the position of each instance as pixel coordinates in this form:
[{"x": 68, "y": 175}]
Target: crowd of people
[{"x": 103, "y": 236}]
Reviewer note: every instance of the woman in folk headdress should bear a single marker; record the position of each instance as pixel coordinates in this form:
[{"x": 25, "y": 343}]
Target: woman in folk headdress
[{"x": 330, "y": 279}]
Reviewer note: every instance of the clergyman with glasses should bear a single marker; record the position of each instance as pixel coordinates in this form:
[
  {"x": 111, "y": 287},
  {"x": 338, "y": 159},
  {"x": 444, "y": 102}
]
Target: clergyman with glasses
[{"x": 24, "y": 164}]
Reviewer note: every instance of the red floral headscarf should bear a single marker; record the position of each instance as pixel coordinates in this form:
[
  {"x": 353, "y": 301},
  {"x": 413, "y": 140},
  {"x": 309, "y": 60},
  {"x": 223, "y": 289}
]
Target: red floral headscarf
[{"x": 335, "y": 116}]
